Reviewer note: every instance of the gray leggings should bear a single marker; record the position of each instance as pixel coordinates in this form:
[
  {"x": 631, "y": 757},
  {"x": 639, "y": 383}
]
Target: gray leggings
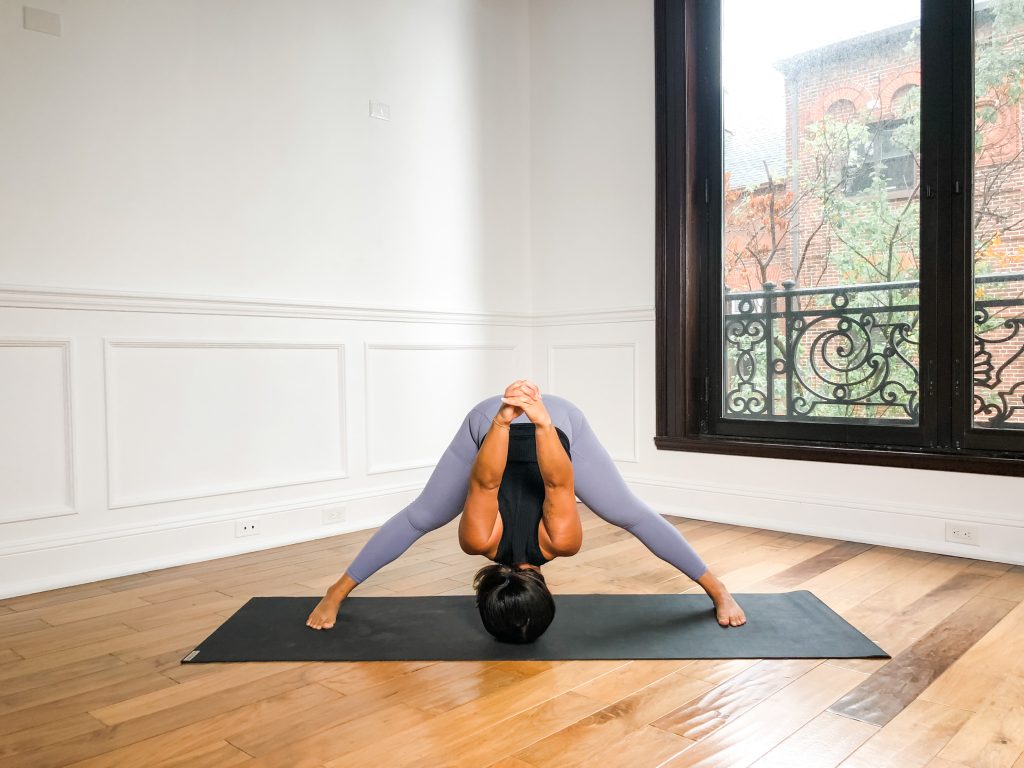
[{"x": 597, "y": 481}]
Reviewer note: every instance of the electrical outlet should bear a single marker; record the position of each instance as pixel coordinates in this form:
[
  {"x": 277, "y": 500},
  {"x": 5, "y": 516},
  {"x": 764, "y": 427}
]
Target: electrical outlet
[
  {"x": 380, "y": 110},
  {"x": 962, "y": 533},
  {"x": 246, "y": 528},
  {"x": 333, "y": 515}
]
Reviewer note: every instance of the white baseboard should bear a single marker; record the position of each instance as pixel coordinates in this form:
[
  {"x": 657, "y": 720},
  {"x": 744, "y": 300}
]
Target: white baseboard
[
  {"x": 911, "y": 527},
  {"x": 48, "y": 563}
]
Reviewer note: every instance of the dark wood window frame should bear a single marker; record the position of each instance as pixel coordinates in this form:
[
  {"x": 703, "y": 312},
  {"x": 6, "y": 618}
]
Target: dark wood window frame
[{"x": 688, "y": 136}]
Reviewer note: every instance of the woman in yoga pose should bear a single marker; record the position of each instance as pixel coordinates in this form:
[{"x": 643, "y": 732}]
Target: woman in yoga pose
[{"x": 514, "y": 470}]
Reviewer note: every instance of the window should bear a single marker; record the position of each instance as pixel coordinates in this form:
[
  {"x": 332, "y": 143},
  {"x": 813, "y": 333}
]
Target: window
[
  {"x": 841, "y": 231},
  {"x": 881, "y": 159}
]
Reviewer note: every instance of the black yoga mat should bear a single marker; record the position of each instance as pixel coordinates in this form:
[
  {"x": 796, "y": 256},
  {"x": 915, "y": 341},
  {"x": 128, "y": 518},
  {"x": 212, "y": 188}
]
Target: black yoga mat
[{"x": 779, "y": 626}]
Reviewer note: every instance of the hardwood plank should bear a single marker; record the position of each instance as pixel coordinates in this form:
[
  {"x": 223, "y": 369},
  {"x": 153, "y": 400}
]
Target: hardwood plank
[
  {"x": 895, "y": 631},
  {"x": 411, "y": 747},
  {"x": 150, "y": 616},
  {"x": 49, "y": 731},
  {"x": 364, "y": 732},
  {"x": 58, "y": 675},
  {"x": 644, "y": 746},
  {"x": 712, "y": 710},
  {"x": 522, "y": 730},
  {"x": 357, "y": 702},
  {"x": 817, "y": 564},
  {"x": 354, "y": 676},
  {"x": 757, "y": 731},
  {"x": 854, "y": 575},
  {"x": 718, "y": 670},
  {"x": 178, "y": 744},
  {"x": 67, "y": 706},
  {"x": 628, "y": 679},
  {"x": 910, "y": 739},
  {"x": 35, "y": 696},
  {"x": 441, "y": 698},
  {"x": 14, "y": 625},
  {"x": 992, "y": 737},
  {"x": 511, "y": 762},
  {"x": 430, "y": 588},
  {"x": 214, "y": 755},
  {"x": 883, "y": 695},
  {"x": 101, "y": 605},
  {"x": 969, "y": 683},
  {"x": 172, "y": 590},
  {"x": 187, "y": 712},
  {"x": 1008, "y": 586},
  {"x": 895, "y": 583},
  {"x": 593, "y": 739},
  {"x": 231, "y": 676},
  {"x": 53, "y": 597},
  {"x": 824, "y": 742},
  {"x": 49, "y": 639}
]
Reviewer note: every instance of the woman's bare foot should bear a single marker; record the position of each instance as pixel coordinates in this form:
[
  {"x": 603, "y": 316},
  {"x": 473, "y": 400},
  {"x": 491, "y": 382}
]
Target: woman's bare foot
[
  {"x": 326, "y": 611},
  {"x": 727, "y": 610}
]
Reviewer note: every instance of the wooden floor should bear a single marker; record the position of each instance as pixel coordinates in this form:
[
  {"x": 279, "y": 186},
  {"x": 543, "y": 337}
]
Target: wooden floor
[{"x": 89, "y": 675}]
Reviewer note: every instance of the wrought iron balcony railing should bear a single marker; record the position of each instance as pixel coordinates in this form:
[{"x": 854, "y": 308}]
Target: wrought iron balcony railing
[{"x": 851, "y": 352}]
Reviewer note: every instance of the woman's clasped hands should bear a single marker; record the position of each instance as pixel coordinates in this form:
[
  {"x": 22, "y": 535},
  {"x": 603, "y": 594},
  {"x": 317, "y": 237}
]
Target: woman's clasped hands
[{"x": 523, "y": 396}]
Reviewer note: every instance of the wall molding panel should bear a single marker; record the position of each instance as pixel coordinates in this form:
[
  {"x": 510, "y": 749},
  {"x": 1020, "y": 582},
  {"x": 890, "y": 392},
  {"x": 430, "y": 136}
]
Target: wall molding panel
[
  {"x": 444, "y": 414},
  {"x": 46, "y": 297},
  {"x": 633, "y": 406},
  {"x": 139, "y": 493},
  {"x": 67, "y": 505},
  {"x": 51, "y": 297},
  {"x": 119, "y": 497}
]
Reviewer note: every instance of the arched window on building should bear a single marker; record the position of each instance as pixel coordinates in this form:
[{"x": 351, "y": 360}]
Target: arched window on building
[{"x": 889, "y": 151}]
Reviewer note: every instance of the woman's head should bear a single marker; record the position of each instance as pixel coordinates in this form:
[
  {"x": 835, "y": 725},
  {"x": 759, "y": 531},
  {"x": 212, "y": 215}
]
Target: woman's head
[{"x": 515, "y": 605}]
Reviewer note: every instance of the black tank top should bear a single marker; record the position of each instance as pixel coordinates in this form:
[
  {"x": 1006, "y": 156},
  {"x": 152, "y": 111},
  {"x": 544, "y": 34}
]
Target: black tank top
[{"x": 521, "y": 497}]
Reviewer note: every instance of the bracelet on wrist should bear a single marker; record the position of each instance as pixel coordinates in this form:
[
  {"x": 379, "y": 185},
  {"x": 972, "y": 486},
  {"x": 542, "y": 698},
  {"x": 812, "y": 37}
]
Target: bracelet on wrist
[{"x": 495, "y": 420}]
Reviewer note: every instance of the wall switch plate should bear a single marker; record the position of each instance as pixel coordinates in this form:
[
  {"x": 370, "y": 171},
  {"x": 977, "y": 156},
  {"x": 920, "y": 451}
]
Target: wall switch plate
[
  {"x": 38, "y": 20},
  {"x": 335, "y": 514},
  {"x": 380, "y": 110},
  {"x": 962, "y": 533},
  {"x": 246, "y": 528}
]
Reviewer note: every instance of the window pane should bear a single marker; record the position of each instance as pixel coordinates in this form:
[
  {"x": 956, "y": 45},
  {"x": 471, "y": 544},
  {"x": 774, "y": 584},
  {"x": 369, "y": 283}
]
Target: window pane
[
  {"x": 998, "y": 215},
  {"x": 821, "y": 105}
]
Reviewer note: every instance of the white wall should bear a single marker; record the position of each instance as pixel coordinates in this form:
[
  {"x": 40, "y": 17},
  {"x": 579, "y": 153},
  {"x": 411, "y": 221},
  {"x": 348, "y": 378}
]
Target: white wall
[
  {"x": 592, "y": 207},
  {"x": 224, "y": 148},
  {"x": 224, "y": 288},
  {"x": 592, "y": 158}
]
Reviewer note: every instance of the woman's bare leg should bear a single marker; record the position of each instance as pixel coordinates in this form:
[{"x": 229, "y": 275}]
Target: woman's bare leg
[
  {"x": 440, "y": 502},
  {"x": 600, "y": 486}
]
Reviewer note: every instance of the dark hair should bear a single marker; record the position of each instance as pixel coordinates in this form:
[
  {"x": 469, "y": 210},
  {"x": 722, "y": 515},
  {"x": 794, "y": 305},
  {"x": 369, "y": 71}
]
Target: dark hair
[{"x": 515, "y": 605}]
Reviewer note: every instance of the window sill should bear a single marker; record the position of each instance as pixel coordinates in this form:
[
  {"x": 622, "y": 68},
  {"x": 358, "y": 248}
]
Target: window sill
[{"x": 914, "y": 459}]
